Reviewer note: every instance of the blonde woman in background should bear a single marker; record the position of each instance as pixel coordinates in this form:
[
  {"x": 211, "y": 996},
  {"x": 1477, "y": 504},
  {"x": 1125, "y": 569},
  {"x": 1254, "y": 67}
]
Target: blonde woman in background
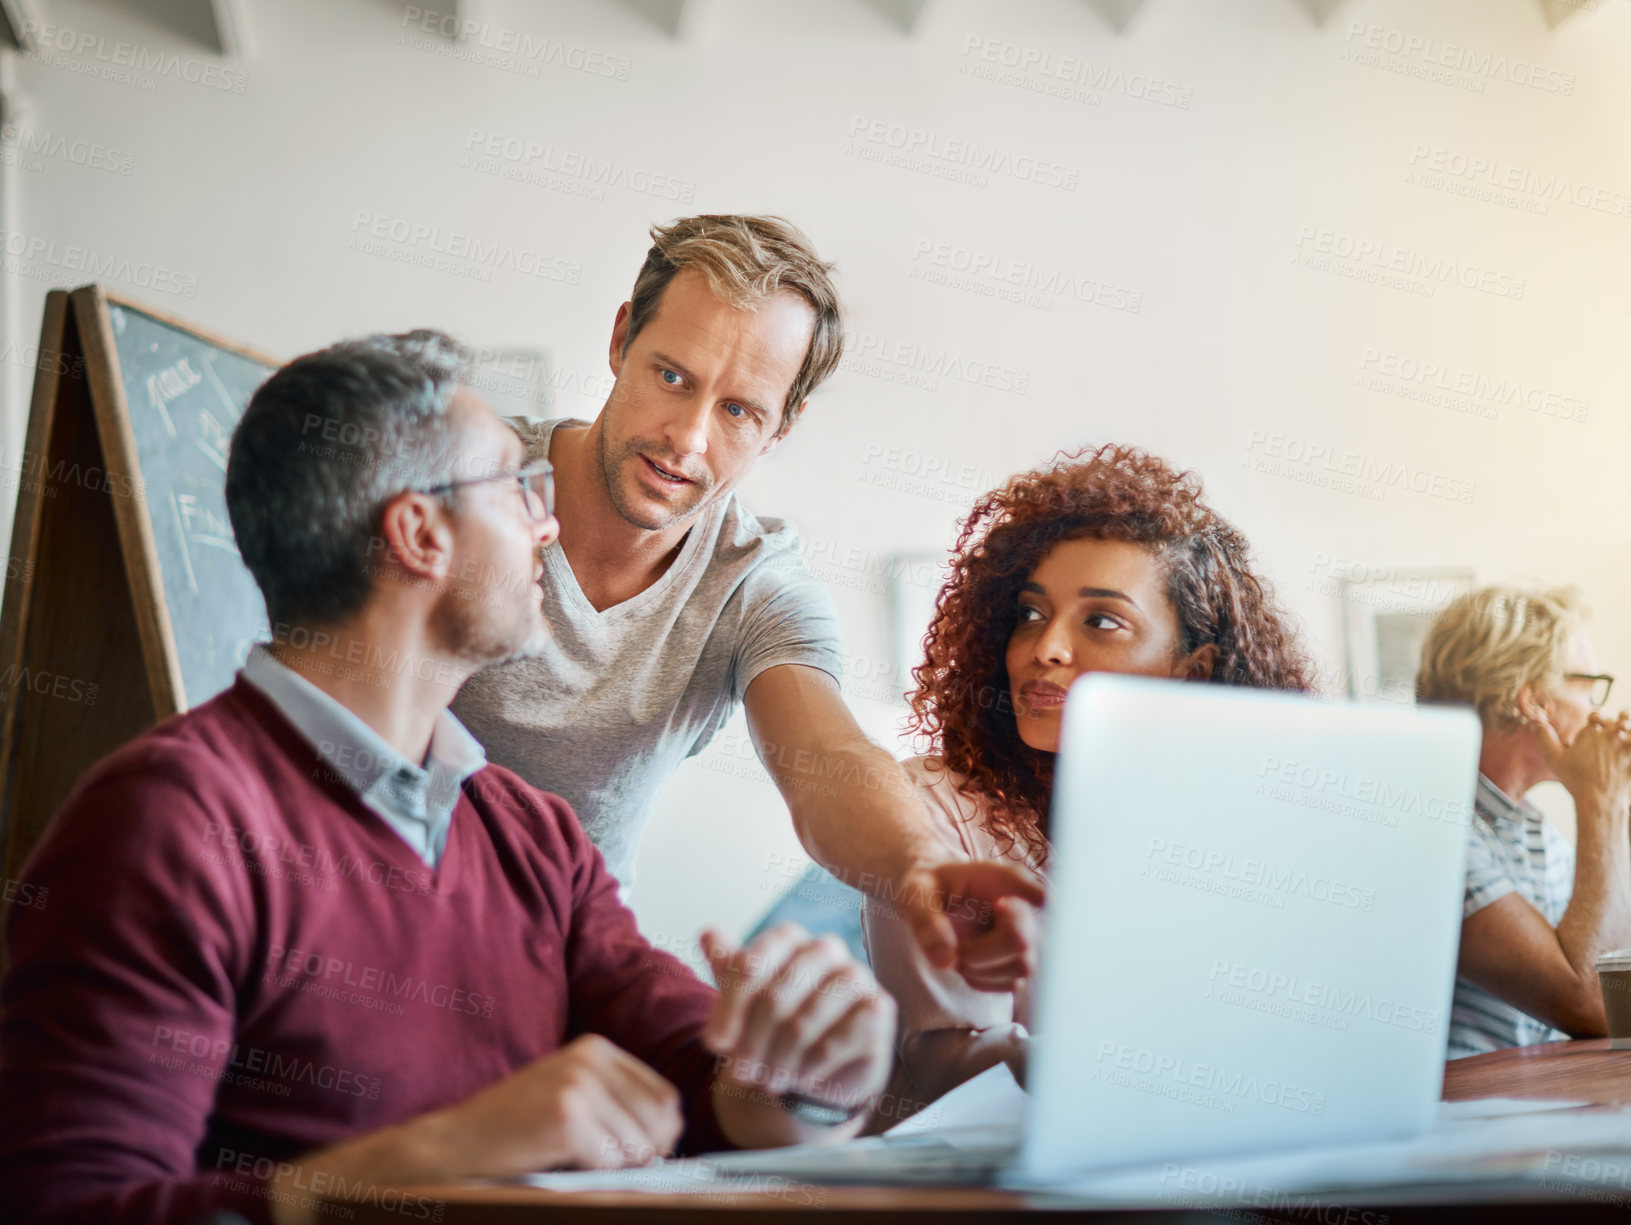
[{"x": 1537, "y": 911}]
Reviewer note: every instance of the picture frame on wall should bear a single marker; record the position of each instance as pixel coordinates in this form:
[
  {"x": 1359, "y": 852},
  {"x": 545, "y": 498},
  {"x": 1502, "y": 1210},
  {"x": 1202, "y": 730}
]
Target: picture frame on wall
[{"x": 1385, "y": 617}]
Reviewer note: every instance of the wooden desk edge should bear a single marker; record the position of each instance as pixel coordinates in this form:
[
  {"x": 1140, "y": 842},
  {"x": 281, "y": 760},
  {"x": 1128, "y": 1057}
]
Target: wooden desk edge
[
  {"x": 468, "y": 1204},
  {"x": 1582, "y": 1070}
]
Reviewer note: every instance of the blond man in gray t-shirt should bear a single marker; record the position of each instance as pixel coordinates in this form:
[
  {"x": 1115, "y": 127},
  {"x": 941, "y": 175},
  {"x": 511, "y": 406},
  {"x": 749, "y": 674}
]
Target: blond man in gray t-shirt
[{"x": 670, "y": 602}]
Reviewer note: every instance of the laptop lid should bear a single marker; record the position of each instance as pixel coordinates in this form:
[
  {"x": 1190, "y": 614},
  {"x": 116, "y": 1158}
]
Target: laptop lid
[{"x": 1252, "y": 923}]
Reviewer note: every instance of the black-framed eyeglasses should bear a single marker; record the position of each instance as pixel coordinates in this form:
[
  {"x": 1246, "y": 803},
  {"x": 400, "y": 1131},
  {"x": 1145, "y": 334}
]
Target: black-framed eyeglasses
[
  {"x": 537, "y": 482},
  {"x": 1601, "y": 683}
]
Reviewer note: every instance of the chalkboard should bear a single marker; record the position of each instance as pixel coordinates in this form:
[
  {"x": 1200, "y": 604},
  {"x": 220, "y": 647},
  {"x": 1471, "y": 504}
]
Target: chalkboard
[
  {"x": 125, "y": 599},
  {"x": 185, "y": 394}
]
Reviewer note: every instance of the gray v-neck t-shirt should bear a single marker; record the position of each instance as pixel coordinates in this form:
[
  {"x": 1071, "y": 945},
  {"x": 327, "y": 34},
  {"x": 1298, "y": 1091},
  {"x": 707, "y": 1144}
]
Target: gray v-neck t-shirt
[{"x": 619, "y": 698}]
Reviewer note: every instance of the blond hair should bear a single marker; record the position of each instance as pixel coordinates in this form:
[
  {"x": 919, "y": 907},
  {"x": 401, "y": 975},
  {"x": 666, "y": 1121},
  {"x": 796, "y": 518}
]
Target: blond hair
[
  {"x": 746, "y": 260},
  {"x": 1490, "y": 643}
]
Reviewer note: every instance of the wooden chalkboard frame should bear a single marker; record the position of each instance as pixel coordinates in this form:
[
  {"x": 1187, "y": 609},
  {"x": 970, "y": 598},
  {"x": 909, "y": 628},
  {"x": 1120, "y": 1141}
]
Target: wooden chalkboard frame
[
  {"x": 134, "y": 515},
  {"x": 75, "y": 549}
]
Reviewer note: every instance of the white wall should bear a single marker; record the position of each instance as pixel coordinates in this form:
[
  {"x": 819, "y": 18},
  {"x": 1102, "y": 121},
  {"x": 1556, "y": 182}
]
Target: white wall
[{"x": 1202, "y": 202}]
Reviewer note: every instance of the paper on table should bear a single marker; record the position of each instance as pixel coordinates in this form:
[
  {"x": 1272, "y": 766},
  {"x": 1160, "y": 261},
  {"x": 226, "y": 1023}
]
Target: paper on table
[
  {"x": 982, "y": 1115},
  {"x": 972, "y": 1129},
  {"x": 663, "y": 1178},
  {"x": 1530, "y": 1144},
  {"x": 992, "y": 1102},
  {"x": 1474, "y": 1141}
]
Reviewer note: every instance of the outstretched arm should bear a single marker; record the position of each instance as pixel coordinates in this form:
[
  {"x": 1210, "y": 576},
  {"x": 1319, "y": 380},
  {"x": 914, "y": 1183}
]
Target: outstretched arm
[{"x": 858, "y": 816}]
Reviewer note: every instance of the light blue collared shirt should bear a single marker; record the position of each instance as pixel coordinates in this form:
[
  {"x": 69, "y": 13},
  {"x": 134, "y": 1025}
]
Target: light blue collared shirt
[{"x": 416, "y": 801}]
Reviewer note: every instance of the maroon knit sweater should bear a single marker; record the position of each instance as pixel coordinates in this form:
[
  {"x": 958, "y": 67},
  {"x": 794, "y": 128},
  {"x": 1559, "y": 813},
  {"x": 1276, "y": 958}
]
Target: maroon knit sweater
[{"x": 225, "y": 960}]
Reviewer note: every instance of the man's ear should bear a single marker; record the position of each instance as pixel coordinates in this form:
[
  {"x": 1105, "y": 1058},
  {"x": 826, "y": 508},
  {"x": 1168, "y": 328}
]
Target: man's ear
[
  {"x": 1530, "y": 708},
  {"x": 417, "y": 535},
  {"x": 620, "y": 338},
  {"x": 1200, "y": 663},
  {"x": 791, "y": 420}
]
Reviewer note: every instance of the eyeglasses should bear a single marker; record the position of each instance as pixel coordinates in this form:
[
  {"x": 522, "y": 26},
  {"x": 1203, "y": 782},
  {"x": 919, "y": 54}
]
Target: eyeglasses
[
  {"x": 537, "y": 482},
  {"x": 1601, "y": 683}
]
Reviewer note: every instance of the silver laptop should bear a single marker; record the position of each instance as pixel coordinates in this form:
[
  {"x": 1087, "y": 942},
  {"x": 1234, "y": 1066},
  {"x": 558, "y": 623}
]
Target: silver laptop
[{"x": 1251, "y": 934}]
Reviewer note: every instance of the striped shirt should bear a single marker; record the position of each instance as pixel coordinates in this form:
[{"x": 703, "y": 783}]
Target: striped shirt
[{"x": 1512, "y": 849}]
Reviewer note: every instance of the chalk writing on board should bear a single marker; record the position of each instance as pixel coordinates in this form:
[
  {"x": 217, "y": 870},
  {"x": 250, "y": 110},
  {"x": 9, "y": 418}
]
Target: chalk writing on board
[
  {"x": 186, "y": 393},
  {"x": 232, "y": 406},
  {"x": 186, "y": 554},
  {"x": 167, "y": 384},
  {"x": 214, "y": 439},
  {"x": 202, "y": 525}
]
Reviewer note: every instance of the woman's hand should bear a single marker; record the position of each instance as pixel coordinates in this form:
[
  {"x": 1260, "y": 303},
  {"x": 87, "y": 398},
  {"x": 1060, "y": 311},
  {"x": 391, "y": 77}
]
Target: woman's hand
[{"x": 1596, "y": 768}]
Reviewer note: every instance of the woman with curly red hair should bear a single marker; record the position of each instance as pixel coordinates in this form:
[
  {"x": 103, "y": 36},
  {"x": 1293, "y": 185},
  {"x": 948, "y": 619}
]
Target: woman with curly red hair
[{"x": 1103, "y": 561}]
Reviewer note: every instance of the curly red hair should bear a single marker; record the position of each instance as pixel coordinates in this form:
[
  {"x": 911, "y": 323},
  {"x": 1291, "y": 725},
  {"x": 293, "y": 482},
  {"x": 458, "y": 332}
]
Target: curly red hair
[{"x": 962, "y": 703}]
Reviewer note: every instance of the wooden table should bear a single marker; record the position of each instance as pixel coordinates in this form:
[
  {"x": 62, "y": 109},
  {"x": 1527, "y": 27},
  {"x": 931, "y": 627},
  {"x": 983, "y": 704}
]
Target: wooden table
[
  {"x": 1584, "y": 1070},
  {"x": 1579, "y": 1071}
]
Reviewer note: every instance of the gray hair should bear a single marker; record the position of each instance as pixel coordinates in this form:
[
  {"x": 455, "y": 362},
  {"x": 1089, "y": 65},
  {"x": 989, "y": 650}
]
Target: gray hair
[
  {"x": 1489, "y": 643},
  {"x": 326, "y": 441}
]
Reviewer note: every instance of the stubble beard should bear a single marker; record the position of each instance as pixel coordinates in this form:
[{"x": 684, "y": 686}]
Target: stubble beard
[
  {"x": 474, "y": 631},
  {"x": 611, "y": 473}
]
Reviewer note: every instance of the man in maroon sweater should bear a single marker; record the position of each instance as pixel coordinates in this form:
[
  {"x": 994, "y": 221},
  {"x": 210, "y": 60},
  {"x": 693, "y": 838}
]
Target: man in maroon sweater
[{"x": 302, "y": 942}]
